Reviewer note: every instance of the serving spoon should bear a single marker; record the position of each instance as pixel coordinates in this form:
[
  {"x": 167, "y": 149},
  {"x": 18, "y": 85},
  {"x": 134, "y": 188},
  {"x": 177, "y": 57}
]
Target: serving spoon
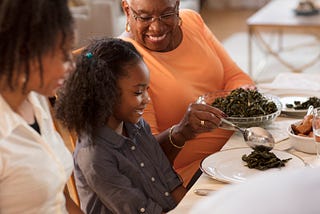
[{"x": 256, "y": 137}]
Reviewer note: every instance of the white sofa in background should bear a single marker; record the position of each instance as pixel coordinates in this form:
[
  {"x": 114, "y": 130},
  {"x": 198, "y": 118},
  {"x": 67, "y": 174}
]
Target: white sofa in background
[
  {"x": 236, "y": 4},
  {"x": 97, "y": 18},
  {"x": 190, "y": 4}
]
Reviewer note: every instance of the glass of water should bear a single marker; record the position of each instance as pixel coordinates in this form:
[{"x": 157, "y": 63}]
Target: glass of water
[{"x": 316, "y": 130}]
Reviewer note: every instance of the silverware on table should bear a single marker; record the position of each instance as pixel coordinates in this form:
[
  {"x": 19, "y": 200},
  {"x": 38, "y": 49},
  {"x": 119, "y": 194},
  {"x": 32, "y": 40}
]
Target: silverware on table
[{"x": 203, "y": 192}]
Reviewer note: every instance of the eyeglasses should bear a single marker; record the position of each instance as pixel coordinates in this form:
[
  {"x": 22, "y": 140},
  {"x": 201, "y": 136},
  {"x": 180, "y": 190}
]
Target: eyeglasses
[{"x": 167, "y": 18}]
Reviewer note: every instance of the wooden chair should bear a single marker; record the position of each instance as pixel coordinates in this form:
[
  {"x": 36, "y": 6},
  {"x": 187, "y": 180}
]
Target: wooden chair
[
  {"x": 77, "y": 52},
  {"x": 70, "y": 140}
]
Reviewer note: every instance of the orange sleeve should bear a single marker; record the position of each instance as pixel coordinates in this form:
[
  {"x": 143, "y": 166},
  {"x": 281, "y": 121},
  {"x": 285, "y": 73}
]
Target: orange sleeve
[{"x": 234, "y": 77}]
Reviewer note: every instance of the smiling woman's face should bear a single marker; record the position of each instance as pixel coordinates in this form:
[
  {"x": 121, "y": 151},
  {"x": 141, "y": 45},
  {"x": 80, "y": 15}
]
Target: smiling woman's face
[{"x": 154, "y": 24}]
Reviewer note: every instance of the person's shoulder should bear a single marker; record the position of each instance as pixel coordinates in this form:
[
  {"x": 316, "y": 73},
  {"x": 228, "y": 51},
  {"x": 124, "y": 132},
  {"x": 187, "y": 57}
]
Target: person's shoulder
[
  {"x": 191, "y": 21},
  {"x": 91, "y": 151},
  {"x": 187, "y": 14}
]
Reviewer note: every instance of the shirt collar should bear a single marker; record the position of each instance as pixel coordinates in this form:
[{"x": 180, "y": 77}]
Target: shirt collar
[
  {"x": 10, "y": 119},
  {"x": 39, "y": 105},
  {"x": 109, "y": 136}
]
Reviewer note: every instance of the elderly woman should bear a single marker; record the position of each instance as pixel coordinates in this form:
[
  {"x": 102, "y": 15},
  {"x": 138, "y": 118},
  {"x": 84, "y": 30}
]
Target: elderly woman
[{"x": 185, "y": 61}]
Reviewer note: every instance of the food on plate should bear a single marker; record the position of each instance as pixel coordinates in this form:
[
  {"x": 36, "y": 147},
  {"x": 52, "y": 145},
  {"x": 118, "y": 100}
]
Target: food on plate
[
  {"x": 263, "y": 159},
  {"x": 245, "y": 103},
  {"x": 304, "y": 128},
  {"x": 289, "y": 105},
  {"x": 298, "y": 105}
]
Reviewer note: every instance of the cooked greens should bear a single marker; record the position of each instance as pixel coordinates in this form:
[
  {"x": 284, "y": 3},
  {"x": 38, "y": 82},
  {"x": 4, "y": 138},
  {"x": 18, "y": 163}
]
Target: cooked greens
[
  {"x": 305, "y": 105},
  {"x": 245, "y": 103},
  {"x": 262, "y": 160}
]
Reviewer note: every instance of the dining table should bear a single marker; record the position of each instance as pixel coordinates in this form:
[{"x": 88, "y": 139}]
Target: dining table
[
  {"x": 276, "y": 19},
  {"x": 278, "y": 128}
]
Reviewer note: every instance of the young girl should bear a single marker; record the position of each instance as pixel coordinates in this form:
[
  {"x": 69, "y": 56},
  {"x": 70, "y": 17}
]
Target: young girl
[
  {"x": 119, "y": 166},
  {"x": 36, "y": 37}
]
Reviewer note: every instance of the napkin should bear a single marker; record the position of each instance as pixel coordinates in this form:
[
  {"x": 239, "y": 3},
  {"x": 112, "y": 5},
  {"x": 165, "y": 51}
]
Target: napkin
[
  {"x": 310, "y": 82},
  {"x": 278, "y": 129}
]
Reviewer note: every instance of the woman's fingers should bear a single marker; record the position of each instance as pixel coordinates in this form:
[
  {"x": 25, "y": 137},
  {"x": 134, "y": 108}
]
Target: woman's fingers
[
  {"x": 207, "y": 125},
  {"x": 208, "y": 108},
  {"x": 200, "y": 118},
  {"x": 249, "y": 87},
  {"x": 204, "y": 118}
]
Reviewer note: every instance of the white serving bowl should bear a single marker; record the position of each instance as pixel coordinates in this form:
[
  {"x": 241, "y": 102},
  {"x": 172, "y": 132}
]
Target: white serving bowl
[{"x": 301, "y": 143}]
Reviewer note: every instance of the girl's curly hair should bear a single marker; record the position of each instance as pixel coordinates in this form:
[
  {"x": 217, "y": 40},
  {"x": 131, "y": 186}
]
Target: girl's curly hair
[{"x": 88, "y": 96}]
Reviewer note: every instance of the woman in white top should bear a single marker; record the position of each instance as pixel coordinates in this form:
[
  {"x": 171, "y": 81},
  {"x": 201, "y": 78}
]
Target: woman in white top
[{"x": 35, "y": 45}]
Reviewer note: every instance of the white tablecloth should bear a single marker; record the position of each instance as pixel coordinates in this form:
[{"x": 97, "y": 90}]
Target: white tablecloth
[{"x": 278, "y": 129}]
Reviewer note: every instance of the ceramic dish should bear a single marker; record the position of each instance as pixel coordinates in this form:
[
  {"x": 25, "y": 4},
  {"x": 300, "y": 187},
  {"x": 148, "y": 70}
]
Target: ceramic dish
[
  {"x": 306, "y": 12},
  {"x": 301, "y": 143},
  {"x": 291, "y": 111},
  {"x": 227, "y": 165}
]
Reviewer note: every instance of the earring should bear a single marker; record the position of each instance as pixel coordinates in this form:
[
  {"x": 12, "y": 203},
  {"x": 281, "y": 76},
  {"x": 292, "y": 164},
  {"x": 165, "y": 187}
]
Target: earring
[
  {"x": 23, "y": 79},
  {"x": 128, "y": 27},
  {"x": 180, "y": 21}
]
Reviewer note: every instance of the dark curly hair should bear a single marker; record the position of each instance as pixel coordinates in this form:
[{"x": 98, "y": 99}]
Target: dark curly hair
[
  {"x": 89, "y": 95},
  {"x": 29, "y": 29}
]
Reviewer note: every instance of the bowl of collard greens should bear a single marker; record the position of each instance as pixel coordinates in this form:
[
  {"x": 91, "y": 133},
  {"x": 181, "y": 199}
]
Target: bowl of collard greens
[{"x": 245, "y": 108}]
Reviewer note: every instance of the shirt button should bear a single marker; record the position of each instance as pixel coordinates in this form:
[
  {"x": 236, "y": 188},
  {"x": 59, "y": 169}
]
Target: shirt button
[
  {"x": 133, "y": 148},
  {"x": 153, "y": 179},
  {"x": 142, "y": 164},
  {"x": 142, "y": 210},
  {"x": 166, "y": 194}
]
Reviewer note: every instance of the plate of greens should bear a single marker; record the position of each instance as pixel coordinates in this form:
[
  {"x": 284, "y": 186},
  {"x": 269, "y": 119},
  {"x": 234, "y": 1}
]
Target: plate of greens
[
  {"x": 297, "y": 106},
  {"x": 228, "y": 166}
]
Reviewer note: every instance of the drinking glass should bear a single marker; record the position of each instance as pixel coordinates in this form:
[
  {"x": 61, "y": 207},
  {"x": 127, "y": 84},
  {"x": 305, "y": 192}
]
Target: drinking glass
[{"x": 316, "y": 130}]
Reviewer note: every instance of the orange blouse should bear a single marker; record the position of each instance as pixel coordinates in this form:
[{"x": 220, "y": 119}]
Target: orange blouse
[{"x": 197, "y": 66}]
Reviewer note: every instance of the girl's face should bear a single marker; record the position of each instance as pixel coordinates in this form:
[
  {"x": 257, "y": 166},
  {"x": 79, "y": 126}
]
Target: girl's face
[
  {"x": 134, "y": 93},
  {"x": 56, "y": 65}
]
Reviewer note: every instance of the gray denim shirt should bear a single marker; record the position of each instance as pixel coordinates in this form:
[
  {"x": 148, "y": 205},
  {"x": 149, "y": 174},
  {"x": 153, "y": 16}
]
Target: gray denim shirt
[{"x": 117, "y": 174}]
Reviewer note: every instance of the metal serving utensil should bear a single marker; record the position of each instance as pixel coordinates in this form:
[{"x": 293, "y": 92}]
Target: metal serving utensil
[{"x": 255, "y": 137}]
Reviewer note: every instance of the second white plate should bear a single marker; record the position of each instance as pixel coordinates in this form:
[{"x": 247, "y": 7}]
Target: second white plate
[
  {"x": 290, "y": 100},
  {"x": 227, "y": 165}
]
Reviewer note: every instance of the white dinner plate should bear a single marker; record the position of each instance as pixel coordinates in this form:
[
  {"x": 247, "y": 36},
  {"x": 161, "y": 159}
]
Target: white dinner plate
[
  {"x": 290, "y": 100},
  {"x": 227, "y": 165}
]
